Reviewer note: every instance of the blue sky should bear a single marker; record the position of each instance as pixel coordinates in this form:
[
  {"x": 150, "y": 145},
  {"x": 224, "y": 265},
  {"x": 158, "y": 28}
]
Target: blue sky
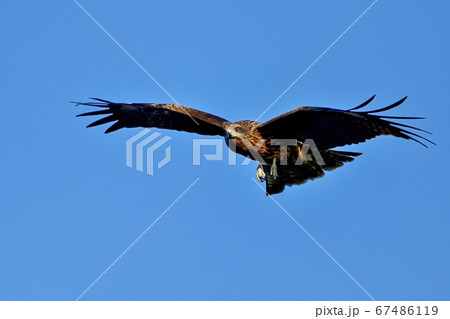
[{"x": 70, "y": 206}]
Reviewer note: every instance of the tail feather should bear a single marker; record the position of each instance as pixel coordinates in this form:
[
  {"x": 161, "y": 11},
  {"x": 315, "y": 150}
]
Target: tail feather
[{"x": 289, "y": 175}]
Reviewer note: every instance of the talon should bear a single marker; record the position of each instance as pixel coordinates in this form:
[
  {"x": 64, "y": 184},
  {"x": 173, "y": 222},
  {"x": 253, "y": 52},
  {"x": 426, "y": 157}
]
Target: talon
[
  {"x": 273, "y": 168},
  {"x": 260, "y": 175}
]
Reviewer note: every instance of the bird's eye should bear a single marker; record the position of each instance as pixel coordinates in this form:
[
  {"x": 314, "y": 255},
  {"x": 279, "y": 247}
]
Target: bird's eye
[{"x": 239, "y": 129}]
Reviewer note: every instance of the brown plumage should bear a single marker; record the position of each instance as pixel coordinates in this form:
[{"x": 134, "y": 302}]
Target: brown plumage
[{"x": 278, "y": 144}]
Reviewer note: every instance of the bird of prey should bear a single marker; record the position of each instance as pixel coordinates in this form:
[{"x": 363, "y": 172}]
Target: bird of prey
[{"x": 290, "y": 149}]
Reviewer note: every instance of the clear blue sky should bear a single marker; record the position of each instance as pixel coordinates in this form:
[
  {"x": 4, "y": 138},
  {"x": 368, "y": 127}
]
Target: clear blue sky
[{"x": 69, "y": 205}]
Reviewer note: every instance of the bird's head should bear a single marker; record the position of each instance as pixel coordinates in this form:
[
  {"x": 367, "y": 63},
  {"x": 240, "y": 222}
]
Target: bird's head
[{"x": 236, "y": 131}]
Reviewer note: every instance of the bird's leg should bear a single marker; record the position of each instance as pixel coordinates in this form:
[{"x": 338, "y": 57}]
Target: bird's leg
[
  {"x": 273, "y": 168},
  {"x": 301, "y": 156},
  {"x": 260, "y": 175}
]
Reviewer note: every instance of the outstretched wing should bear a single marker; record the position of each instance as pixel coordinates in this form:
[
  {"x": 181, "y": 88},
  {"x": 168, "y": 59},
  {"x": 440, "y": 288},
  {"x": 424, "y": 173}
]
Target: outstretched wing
[
  {"x": 166, "y": 116},
  {"x": 330, "y": 128}
]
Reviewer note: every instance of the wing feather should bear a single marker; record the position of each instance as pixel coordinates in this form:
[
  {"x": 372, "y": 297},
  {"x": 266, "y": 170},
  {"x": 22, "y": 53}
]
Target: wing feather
[
  {"x": 330, "y": 128},
  {"x": 165, "y": 116}
]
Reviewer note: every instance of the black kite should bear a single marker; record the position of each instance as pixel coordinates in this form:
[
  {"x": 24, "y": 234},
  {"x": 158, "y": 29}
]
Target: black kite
[{"x": 279, "y": 144}]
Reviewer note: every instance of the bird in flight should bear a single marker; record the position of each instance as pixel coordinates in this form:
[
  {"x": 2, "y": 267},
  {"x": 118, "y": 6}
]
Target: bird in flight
[{"x": 290, "y": 149}]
